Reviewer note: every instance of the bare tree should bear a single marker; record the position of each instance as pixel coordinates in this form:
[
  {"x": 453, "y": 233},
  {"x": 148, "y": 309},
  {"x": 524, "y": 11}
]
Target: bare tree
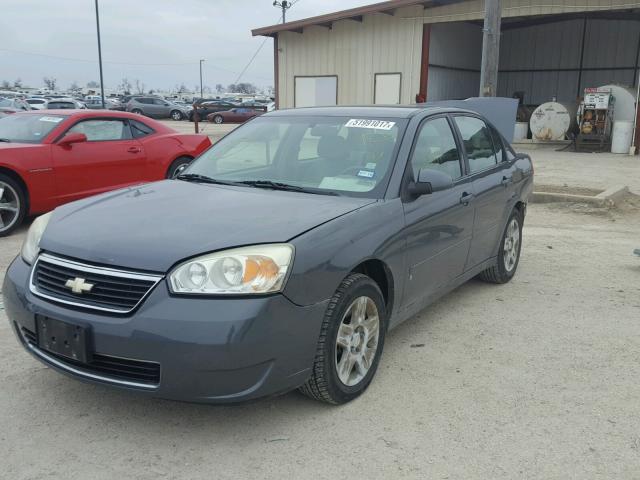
[
  {"x": 249, "y": 88},
  {"x": 50, "y": 83},
  {"x": 93, "y": 84},
  {"x": 182, "y": 88},
  {"x": 219, "y": 88},
  {"x": 5, "y": 84},
  {"x": 17, "y": 83},
  {"x": 125, "y": 86},
  {"x": 74, "y": 87},
  {"x": 140, "y": 86}
]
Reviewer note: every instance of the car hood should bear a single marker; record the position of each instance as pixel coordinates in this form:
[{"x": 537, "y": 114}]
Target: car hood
[{"x": 153, "y": 226}]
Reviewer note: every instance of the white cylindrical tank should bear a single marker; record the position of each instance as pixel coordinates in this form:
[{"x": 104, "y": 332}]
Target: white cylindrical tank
[
  {"x": 551, "y": 121},
  {"x": 621, "y": 137},
  {"x": 520, "y": 132},
  {"x": 624, "y": 108}
]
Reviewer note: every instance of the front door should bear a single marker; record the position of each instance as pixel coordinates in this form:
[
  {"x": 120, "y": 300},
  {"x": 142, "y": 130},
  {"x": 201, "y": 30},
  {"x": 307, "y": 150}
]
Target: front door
[
  {"x": 109, "y": 159},
  {"x": 438, "y": 225},
  {"x": 491, "y": 182}
]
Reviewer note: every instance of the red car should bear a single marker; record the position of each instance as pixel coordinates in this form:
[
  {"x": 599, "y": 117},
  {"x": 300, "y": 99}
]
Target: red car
[
  {"x": 235, "y": 115},
  {"x": 52, "y": 157}
]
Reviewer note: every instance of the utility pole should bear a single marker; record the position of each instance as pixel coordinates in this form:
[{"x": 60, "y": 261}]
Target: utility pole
[
  {"x": 284, "y": 5},
  {"x": 201, "y": 94},
  {"x": 100, "y": 55},
  {"x": 490, "y": 48}
]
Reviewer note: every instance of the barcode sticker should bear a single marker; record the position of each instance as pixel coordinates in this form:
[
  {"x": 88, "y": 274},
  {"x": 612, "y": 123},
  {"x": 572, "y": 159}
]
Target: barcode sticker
[{"x": 369, "y": 123}]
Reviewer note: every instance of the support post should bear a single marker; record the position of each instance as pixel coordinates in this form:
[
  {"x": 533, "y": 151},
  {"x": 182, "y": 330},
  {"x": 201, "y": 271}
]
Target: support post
[
  {"x": 490, "y": 48},
  {"x": 99, "y": 55}
]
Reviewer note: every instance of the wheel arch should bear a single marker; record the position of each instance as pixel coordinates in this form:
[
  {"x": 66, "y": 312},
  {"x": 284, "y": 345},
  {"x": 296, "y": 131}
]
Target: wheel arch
[
  {"x": 18, "y": 178},
  {"x": 380, "y": 273}
]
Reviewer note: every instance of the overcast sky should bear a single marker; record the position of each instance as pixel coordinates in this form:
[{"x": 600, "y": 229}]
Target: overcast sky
[{"x": 137, "y": 35}]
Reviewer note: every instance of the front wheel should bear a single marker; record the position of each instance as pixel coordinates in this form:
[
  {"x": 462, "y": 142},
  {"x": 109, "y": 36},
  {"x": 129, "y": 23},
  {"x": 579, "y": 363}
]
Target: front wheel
[
  {"x": 176, "y": 115},
  {"x": 508, "y": 253},
  {"x": 350, "y": 343},
  {"x": 137, "y": 111},
  {"x": 13, "y": 205}
]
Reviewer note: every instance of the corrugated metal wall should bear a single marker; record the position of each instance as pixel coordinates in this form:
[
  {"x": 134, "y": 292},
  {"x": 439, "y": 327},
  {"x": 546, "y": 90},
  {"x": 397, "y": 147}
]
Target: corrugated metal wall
[
  {"x": 354, "y": 51},
  {"x": 455, "y": 50},
  {"x": 544, "y": 60}
]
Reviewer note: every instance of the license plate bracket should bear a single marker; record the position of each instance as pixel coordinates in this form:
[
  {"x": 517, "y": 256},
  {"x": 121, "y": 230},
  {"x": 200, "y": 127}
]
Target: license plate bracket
[{"x": 65, "y": 339}]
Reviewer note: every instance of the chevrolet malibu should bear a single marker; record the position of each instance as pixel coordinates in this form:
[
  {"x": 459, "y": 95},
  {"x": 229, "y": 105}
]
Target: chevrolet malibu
[{"x": 278, "y": 259}]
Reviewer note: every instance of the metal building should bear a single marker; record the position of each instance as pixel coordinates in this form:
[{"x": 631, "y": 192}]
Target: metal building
[{"x": 401, "y": 51}]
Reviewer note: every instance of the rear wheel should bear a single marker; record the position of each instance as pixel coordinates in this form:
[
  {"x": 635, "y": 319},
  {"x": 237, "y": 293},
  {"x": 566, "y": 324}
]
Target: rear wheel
[
  {"x": 137, "y": 111},
  {"x": 176, "y": 115},
  {"x": 350, "y": 343},
  {"x": 13, "y": 205},
  {"x": 508, "y": 253},
  {"x": 218, "y": 119},
  {"x": 178, "y": 165}
]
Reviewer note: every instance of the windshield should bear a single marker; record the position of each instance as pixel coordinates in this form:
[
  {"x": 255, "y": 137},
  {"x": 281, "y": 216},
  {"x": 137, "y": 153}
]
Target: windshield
[
  {"x": 343, "y": 155},
  {"x": 28, "y": 128}
]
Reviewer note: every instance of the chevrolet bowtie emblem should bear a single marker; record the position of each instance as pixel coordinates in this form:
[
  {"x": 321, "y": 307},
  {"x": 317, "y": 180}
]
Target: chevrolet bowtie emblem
[{"x": 78, "y": 285}]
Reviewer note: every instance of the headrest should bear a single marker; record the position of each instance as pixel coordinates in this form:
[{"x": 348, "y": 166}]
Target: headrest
[{"x": 332, "y": 147}]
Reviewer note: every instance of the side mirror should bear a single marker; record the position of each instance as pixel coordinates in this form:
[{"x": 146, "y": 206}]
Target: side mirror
[
  {"x": 71, "y": 138},
  {"x": 430, "y": 181}
]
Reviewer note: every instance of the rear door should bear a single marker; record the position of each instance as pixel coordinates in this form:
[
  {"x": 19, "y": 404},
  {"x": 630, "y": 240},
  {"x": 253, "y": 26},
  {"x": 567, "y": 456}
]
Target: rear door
[
  {"x": 491, "y": 177},
  {"x": 439, "y": 225},
  {"x": 109, "y": 159}
]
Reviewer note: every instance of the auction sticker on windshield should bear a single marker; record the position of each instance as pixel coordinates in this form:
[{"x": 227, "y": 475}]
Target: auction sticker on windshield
[
  {"x": 369, "y": 123},
  {"x": 51, "y": 119}
]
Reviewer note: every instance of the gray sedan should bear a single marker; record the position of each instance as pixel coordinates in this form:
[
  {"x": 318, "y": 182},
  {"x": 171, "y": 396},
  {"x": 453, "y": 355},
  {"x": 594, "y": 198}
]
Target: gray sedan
[{"x": 278, "y": 259}]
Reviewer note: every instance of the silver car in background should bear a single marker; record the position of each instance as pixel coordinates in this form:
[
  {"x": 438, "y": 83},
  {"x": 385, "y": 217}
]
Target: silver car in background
[{"x": 156, "y": 107}]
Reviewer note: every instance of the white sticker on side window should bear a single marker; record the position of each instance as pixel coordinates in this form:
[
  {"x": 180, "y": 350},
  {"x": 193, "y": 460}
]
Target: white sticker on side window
[
  {"x": 51, "y": 119},
  {"x": 369, "y": 123}
]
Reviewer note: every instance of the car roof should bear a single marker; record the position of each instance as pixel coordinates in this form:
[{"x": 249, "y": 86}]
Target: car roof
[
  {"x": 82, "y": 113},
  {"x": 387, "y": 111}
]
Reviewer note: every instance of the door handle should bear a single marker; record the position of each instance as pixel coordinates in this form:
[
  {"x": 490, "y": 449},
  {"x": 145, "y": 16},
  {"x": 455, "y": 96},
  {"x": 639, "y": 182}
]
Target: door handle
[
  {"x": 465, "y": 198},
  {"x": 507, "y": 180},
  {"x": 134, "y": 149}
]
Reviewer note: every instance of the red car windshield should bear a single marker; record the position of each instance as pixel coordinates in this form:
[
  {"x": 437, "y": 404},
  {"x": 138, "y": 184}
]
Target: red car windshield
[{"x": 27, "y": 128}]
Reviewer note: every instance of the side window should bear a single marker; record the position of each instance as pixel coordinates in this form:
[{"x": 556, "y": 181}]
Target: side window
[
  {"x": 158, "y": 101},
  {"x": 436, "y": 149},
  {"x": 498, "y": 145},
  {"x": 139, "y": 129},
  {"x": 478, "y": 143},
  {"x": 102, "y": 130}
]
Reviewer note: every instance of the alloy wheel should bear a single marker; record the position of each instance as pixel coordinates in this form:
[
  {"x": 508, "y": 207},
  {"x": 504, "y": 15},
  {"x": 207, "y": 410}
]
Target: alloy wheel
[
  {"x": 9, "y": 206},
  {"x": 511, "y": 245},
  {"x": 357, "y": 341}
]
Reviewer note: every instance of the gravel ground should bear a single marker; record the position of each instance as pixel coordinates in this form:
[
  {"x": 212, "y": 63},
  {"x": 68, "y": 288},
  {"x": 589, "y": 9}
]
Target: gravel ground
[{"x": 534, "y": 379}]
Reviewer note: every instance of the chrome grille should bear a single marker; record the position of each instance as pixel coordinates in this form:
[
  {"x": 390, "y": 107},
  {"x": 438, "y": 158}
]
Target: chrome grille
[{"x": 112, "y": 290}]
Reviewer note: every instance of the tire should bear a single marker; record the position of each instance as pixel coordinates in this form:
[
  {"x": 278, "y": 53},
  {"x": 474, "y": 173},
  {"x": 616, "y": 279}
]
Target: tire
[
  {"x": 13, "y": 205},
  {"x": 508, "y": 259},
  {"x": 176, "y": 115},
  {"x": 326, "y": 383},
  {"x": 178, "y": 165},
  {"x": 218, "y": 119},
  {"x": 137, "y": 111}
]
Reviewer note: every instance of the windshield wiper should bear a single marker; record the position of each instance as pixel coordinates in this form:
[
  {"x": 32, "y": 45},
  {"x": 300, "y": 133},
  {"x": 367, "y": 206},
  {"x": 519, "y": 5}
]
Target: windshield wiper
[
  {"x": 5, "y": 140},
  {"x": 196, "y": 177},
  {"x": 284, "y": 186}
]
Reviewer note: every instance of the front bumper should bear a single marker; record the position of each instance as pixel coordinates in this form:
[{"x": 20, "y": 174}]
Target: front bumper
[{"x": 209, "y": 349}]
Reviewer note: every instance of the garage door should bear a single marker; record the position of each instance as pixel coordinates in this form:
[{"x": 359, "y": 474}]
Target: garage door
[
  {"x": 316, "y": 91},
  {"x": 387, "y": 88}
]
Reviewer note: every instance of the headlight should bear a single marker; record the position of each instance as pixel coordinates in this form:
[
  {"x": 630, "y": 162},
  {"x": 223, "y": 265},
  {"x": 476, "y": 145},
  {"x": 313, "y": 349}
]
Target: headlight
[
  {"x": 31, "y": 245},
  {"x": 246, "y": 270}
]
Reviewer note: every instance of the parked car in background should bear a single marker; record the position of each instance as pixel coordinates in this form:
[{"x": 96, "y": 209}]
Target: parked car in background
[
  {"x": 65, "y": 104},
  {"x": 158, "y": 108},
  {"x": 235, "y": 115},
  {"x": 110, "y": 104},
  {"x": 13, "y": 105},
  {"x": 279, "y": 259},
  {"x": 52, "y": 157},
  {"x": 205, "y": 108},
  {"x": 37, "y": 103}
]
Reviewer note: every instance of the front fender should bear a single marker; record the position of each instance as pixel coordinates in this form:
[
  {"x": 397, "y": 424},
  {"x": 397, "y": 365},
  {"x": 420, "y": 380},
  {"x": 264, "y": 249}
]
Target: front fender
[{"x": 326, "y": 254}]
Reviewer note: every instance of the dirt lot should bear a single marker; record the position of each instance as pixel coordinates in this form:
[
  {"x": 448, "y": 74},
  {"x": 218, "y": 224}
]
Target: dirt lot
[{"x": 536, "y": 379}]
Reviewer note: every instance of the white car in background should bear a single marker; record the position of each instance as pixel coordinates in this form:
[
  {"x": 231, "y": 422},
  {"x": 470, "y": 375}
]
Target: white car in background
[{"x": 37, "y": 103}]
